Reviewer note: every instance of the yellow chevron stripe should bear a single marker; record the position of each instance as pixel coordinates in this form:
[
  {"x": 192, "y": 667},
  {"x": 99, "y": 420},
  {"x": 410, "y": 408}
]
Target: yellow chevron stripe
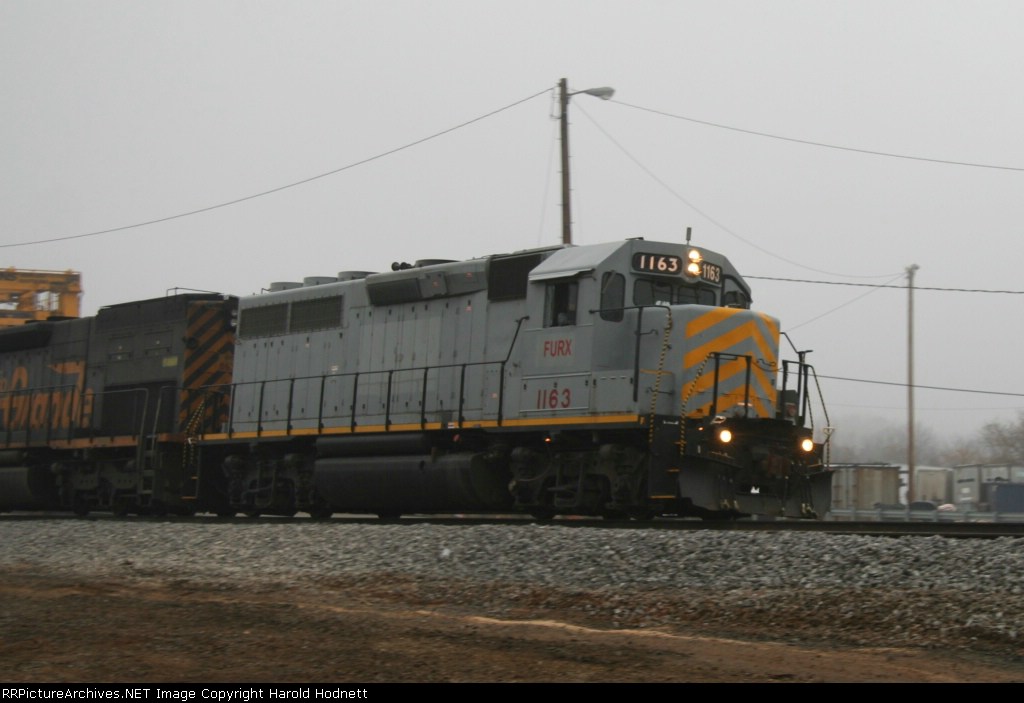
[
  {"x": 754, "y": 337},
  {"x": 710, "y": 319},
  {"x": 749, "y": 331},
  {"x": 731, "y": 369},
  {"x": 735, "y": 371}
]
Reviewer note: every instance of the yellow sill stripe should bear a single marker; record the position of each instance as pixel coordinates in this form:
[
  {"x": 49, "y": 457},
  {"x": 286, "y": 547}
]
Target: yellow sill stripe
[
  {"x": 536, "y": 422},
  {"x": 81, "y": 443}
]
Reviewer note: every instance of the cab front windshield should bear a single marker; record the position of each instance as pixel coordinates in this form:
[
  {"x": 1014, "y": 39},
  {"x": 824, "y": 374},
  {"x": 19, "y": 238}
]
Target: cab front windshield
[{"x": 649, "y": 292}]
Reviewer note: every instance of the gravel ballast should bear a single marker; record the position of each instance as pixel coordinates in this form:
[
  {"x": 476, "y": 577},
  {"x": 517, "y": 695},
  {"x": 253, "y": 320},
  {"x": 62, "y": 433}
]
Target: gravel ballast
[{"x": 866, "y": 591}]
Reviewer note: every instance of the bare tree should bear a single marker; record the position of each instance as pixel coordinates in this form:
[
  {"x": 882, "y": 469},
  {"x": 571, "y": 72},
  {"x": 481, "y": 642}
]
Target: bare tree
[
  {"x": 964, "y": 451},
  {"x": 888, "y": 444},
  {"x": 1004, "y": 442}
]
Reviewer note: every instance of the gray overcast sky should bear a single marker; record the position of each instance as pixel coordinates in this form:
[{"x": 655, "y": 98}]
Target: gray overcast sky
[{"x": 115, "y": 112}]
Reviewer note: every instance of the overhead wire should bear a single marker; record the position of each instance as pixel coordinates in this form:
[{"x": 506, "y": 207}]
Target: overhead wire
[
  {"x": 278, "y": 189},
  {"x": 514, "y": 104},
  {"x": 672, "y": 191},
  {"x": 654, "y": 177},
  {"x": 917, "y": 386},
  {"x": 886, "y": 285},
  {"x": 552, "y": 149},
  {"x": 825, "y": 145},
  {"x": 800, "y": 141},
  {"x": 705, "y": 215},
  {"x": 874, "y": 289},
  {"x": 873, "y": 286}
]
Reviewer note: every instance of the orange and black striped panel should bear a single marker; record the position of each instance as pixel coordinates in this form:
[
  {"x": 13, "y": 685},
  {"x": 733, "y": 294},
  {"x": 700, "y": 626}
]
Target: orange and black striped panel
[{"x": 209, "y": 354}]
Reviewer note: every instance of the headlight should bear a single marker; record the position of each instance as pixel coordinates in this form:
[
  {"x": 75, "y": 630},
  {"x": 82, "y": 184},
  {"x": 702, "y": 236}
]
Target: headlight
[
  {"x": 807, "y": 444},
  {"x": 693, "y": 267},
  {"x": 724, "y": 435}
]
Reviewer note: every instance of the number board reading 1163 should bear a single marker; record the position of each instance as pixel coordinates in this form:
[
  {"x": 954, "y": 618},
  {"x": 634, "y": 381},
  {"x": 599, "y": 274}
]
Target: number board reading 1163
[{"x": 668, "y": 264}]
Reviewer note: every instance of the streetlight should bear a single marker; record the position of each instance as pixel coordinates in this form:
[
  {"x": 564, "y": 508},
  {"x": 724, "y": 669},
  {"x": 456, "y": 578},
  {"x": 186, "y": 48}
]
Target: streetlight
[{"x": 563, "y": 101}]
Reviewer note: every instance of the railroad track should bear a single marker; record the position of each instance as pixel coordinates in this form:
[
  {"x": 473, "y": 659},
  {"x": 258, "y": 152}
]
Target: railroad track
[{"x": 977, "y": 530}]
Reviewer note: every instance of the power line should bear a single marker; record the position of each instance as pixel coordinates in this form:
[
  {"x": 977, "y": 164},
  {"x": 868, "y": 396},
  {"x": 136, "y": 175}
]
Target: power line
[
  {"x": 929, "y": 388},
  {"x": 886, "y": 285},
  {"x": 700, "y": 212},
  {"x": 824, "y": 145},
  {"x": 929, "y": 409},
  {"x": 874, "y": 289},
  {"x": 278, "y": 189},
  {"x": 893, "y": 383},
  {"x": 725, "y": 229}
]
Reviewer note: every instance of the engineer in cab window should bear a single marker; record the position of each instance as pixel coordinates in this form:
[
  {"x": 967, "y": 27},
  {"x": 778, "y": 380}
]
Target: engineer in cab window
[{"x": 561, "y": 304}]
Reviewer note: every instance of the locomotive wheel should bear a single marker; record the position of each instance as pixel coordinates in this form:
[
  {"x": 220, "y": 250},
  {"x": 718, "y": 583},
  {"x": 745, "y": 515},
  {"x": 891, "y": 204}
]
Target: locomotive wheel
[{"x": 543, "y": 514}]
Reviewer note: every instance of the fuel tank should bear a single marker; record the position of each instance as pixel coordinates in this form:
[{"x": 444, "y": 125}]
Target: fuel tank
[
  {"x": 27, "y": 488},
  {"x": 415, "y": 483}
]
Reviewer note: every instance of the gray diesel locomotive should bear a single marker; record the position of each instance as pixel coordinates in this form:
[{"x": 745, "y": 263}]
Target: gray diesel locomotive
[
  {"x": 620, "y": 379},
  {"x": 627, "y": 379}
]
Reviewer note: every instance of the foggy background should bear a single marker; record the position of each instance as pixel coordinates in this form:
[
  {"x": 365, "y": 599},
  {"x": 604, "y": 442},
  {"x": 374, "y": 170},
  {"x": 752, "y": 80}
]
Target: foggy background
[{"x": 116, "y": 113}]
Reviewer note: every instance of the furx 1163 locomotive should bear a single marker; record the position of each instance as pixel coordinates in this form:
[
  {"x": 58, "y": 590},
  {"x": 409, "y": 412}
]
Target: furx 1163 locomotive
[{"x": 622, "y": 379}]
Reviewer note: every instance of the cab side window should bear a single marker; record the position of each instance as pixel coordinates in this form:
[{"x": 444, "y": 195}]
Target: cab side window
[
  {"x": 613, "y": 296},
  {"x": 560, "y": 304}
]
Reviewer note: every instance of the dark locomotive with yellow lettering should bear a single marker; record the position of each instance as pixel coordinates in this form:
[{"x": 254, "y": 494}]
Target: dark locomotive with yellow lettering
[
  {"x": 621, "y": 379},
  {"x": 93, "y": 411}
]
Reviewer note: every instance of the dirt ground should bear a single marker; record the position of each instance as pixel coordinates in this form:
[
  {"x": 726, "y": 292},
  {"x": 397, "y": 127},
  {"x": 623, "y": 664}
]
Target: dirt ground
[{"x": 59, "y": 630}]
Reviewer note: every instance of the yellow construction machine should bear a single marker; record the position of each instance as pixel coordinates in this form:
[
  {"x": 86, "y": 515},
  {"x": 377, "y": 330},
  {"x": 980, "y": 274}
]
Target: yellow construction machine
[{"x": 38, "y": 295}]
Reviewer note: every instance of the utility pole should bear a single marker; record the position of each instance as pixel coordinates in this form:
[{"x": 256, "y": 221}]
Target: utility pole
[
  {"x": 563, "y": 113},
  {"x": 910, "y": 383},
  {"x": 563, "y": 116}
]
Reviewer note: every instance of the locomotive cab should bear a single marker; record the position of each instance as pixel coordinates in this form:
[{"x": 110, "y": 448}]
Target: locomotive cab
[{"x": 655, "y": 345}]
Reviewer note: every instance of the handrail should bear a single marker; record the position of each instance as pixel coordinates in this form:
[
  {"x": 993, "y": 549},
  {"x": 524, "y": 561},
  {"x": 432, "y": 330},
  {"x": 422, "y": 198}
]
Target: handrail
[{"x": 358, "y": 380}]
